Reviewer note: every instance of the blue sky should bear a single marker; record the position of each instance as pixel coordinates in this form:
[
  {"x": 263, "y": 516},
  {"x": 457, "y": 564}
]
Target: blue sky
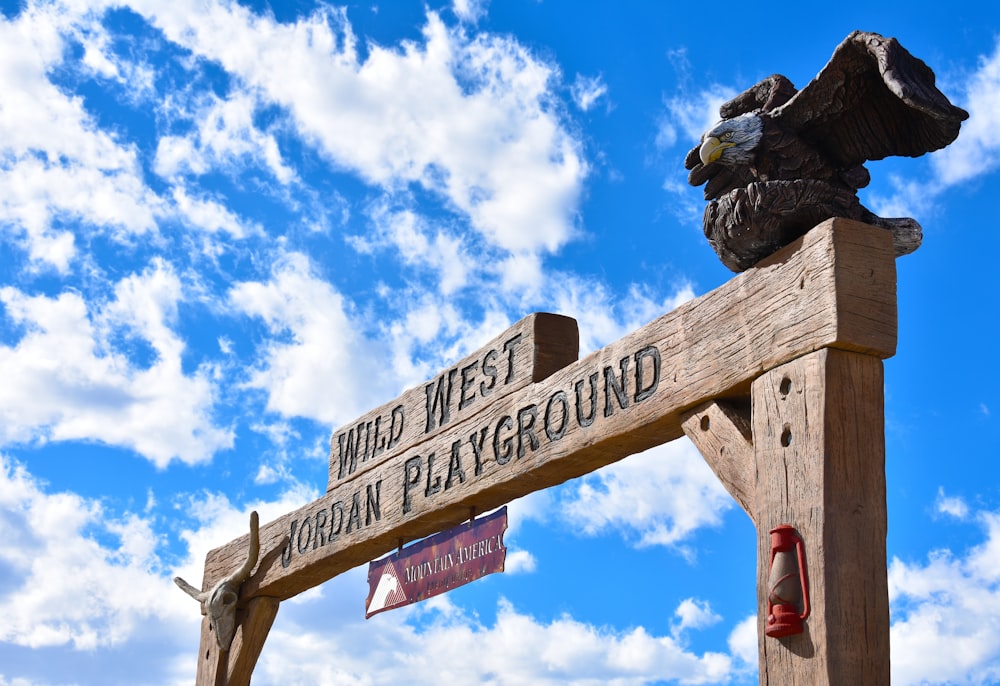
[{"x": 227, "y": 229}]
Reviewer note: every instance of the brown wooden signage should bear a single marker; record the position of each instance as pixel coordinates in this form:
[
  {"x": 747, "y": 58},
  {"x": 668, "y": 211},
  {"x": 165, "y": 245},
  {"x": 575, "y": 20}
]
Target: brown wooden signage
[
  {"x": 527, "y": 352},
  {"x": 617, "y": 401},
  {"x": 471, "y": 439}
]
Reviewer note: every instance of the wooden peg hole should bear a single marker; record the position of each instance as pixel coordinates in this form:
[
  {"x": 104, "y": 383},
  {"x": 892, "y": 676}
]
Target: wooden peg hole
[
  {"x": 785, "y": 387},
  {"x": 786, "y": 436},
  {"x": 705, "y": 423}
]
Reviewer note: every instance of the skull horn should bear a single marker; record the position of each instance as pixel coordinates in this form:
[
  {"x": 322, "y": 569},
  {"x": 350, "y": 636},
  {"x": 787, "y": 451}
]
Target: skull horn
[
  {"x": 243, "y": 573},
  {"x": 219, "y": 603}
]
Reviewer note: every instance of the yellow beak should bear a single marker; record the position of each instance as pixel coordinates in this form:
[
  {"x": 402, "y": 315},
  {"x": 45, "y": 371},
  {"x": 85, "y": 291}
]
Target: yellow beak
[{"x": 711, "y": 149}]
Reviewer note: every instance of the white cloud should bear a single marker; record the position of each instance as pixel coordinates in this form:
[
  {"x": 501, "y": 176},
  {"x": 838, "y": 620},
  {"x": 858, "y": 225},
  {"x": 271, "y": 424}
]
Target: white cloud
[
  {"x": 602, "y": 318},
  {"x": 319, "y": 364},
  {"x": 211, "y": 216},
  {"x": 466, "y": 118},
  {"x": 420, "y": 245},
  {"x": 953, "y": 506},
  {"x": 64, "y": 588},
  {"x": 661, "y": 496},
  {"x": 694, "y": 614},
  {"x": 225, "y": 137},
  {"x": 66, "y": 379},
  {"x": 521, "y": 272},
  {"x": 587, "y": 91},
  {"x": 908, "y": 197},
  {"x": 433, "y": 332},
  {"x": 87, "y": 588},
  {"x": 522, "y": 650},
  {"x": 520, "y": 562},
  {"x": 534, "y": 506},
  {"x": 977, "y": 149},
  {"x": 687, "y": 206},
  {"x": 470, "y": 10},
  {"x": 694, "y": 114},
  {"x": 54, "y": 162},
  {"x": 743, "y": 643},
  {"x": 946, "y": 614},
  {"x": 99, "y": 56}
]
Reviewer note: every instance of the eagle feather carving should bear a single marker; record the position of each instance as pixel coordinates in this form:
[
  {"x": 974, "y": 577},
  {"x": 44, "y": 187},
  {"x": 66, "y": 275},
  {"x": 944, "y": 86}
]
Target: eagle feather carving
[{"x": 780, "y": 161}]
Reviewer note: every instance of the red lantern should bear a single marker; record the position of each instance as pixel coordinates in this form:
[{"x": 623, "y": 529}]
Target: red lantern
[{"x": 787, "y": 583}]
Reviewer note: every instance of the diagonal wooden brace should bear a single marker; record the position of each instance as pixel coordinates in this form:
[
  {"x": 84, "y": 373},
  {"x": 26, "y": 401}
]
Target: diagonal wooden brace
[{"x": 721, "y": 431}]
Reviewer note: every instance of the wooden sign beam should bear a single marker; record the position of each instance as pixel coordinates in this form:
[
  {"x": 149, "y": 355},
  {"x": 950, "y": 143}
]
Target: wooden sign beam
[
  {"x": 833, "y": 288},
  {"x": 526, "y": 353}
]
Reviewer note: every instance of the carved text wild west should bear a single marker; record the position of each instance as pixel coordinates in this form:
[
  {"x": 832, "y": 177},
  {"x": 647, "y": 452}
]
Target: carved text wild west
[{"x": 481, "y": 446}]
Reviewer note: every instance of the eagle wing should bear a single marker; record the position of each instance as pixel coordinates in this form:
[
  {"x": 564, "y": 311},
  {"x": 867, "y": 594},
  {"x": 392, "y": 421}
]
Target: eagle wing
[{"x": 872, "y": 99}]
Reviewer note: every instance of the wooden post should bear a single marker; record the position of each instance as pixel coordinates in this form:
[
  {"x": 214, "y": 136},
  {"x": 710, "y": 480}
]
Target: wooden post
[
  {"x": 234, "y": 667},
  {"x": 212, "y": 661},
  {"x": 252, "y": 628},
  {"x": 819, "y": 444},
  {"x": 807, "y": 449},
  {"x": 816, "y": 462},
  {"x": 783, "y": 367}
]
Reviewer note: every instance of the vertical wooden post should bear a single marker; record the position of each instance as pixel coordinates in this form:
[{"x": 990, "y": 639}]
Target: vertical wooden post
[
  {"x": 234, "y": 667},
  {"x": 254, "y": 623},
  {"x": 212, "y": 662},
  {"x": 819, "y": 444}
]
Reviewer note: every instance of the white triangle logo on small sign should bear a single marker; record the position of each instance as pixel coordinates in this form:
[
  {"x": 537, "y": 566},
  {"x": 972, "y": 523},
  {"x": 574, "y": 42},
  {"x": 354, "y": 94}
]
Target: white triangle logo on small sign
[{"x": 389, "y": 591}]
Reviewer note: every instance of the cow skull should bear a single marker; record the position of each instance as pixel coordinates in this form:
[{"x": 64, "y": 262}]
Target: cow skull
[{"x": 219, "y": 603}]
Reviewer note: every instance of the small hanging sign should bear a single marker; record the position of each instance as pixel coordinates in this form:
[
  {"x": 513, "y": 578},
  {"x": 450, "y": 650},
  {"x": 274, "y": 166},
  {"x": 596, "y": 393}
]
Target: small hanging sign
[{"x": 437, "y": 564}]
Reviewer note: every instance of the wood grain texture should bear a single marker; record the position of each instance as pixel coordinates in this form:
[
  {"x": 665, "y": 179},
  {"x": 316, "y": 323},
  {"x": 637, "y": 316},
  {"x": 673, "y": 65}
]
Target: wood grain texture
[
  {"x": 723, "y": 435},
  {"x": 621, "y": 399},
  {"x": 819, "y": 440},
  {"x": 529, "y": 351},
  {"x": 253, "y": 624},
  {"x": 212, "y": 661}
]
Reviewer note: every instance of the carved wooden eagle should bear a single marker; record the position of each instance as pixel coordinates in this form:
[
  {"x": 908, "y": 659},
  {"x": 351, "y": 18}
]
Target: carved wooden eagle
[{"x": 782, "y": 160}]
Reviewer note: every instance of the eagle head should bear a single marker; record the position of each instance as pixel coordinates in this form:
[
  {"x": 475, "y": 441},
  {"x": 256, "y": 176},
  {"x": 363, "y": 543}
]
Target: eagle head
[{"x": 732, "y": 141}]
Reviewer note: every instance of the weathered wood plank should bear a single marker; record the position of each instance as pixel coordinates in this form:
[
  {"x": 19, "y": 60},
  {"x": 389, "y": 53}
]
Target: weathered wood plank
[
  {"x": 529, "y": 351},
  {"x": 212, "y": 662},
  {"x": 819, "y": 439},
  {"x": 253, "y": 624},
  {"x": 624, "y": 398},
  {"x": 723, "y": 435}
]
